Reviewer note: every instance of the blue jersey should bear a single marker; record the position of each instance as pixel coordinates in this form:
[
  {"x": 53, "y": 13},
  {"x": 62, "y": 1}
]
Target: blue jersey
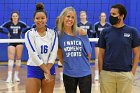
[
  {"x": 75, "y": 51},
  {"x": 89, "y": 28},
  {"x": 99, "y": 28},
  {"x": 15, "y": 30},
  {"x": 118, "y": 44}
]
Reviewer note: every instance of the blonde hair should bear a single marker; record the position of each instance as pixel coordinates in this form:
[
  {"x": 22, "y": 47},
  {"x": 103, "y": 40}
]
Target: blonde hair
[
  {"x": 61, "y": 19},
  {"x": 83, "y": 12},
  {"x": 57, "y": 21}
]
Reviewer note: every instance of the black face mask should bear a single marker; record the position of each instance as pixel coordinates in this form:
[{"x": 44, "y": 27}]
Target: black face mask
[{"x": 113, "y": 20}]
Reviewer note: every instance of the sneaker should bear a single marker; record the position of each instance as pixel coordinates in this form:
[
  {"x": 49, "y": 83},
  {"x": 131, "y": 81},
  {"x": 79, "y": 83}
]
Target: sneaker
[
  {"x": 61, "y": 76},
  {"x": 96, "y": 78},
  {"x": 16, "y": 79},
  {"x": 9, "y": 80}
]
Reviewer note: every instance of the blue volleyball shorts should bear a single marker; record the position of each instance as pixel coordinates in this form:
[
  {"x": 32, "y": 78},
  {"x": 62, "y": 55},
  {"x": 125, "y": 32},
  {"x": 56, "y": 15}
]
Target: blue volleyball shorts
[{"x": 37, "y": 72}]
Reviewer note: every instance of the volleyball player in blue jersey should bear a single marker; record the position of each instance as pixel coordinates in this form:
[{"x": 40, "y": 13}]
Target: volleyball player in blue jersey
[
  {"x": 42, "y": 46},
  {"x": 87, "y": 26},
  {"x": 74, "y": 52},
  {"x": 14, "y": 29}
]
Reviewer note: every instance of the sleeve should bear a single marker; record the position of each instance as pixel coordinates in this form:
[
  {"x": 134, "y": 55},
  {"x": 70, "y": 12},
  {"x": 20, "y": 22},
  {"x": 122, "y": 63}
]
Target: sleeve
[
  {"x": 86, "y": 43},
  {"x": 102, "y": 41},
  {"x": 6, "y": 24},
  {"x": 0, "y": 29},
  {"x": 96, "y": 27},
  {"x": 33, "y": 26},
  {"x": 135, "y": 39},
  {"x": 24, "y": 30},
  {"x": 53, "y": 54},
  {"x": 25, "y": 27},
  {"x": 23, "y": 24},
  {"x": 108, "y": 24},
  {"x": 4, "y": 28},
  {"x": 92, "y": 30},
  {"x": 29, "y": 42}
]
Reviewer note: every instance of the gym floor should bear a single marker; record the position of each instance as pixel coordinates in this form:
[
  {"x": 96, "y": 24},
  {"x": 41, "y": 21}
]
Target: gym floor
[{"x": 19, "y": 87}]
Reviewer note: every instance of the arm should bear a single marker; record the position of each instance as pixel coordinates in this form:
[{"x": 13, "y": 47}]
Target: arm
[
  {"x": 45, "y": 68},
  {"x": 60, "y": 56},
  {"x": 33, "y": 26},
  {"x": 53, "y": 53},
  {"x": 25, "y": 29},
  {"x": 96, "y": 29},
  {"x": 4, "y": 28},
  {"x": 87, "y": 47},
  {"x": 102, "y": 47},
  {"x": 136, "y": 53},
  {"x": 93, "y": 31},
  {"x": 0, "y": 29},
  {"x": 135, "y": 59},
  {"x": 81, "y": 31},
  {"x": 101, "y": 59},
  {"x": 89, "y": 57},
  {"x": 139, "y": 51}
]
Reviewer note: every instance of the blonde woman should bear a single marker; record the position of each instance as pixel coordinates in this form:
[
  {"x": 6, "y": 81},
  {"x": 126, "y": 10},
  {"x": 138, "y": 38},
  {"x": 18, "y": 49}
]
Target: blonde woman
[{"x": 74, "y": 53}]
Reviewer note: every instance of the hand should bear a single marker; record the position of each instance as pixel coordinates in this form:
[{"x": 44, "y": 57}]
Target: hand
[
  {"x": 47, "y": 74},
  {"x": 82, "y": 31},
  {"x": 132, "y": 72},
  {"x": 48, "y": 77}
]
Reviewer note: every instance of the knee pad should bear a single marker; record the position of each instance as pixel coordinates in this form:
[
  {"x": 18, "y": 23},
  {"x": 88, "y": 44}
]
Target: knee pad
[
  {"x": 10, "y": 62},
  {"x": 18, "y": 62}
]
